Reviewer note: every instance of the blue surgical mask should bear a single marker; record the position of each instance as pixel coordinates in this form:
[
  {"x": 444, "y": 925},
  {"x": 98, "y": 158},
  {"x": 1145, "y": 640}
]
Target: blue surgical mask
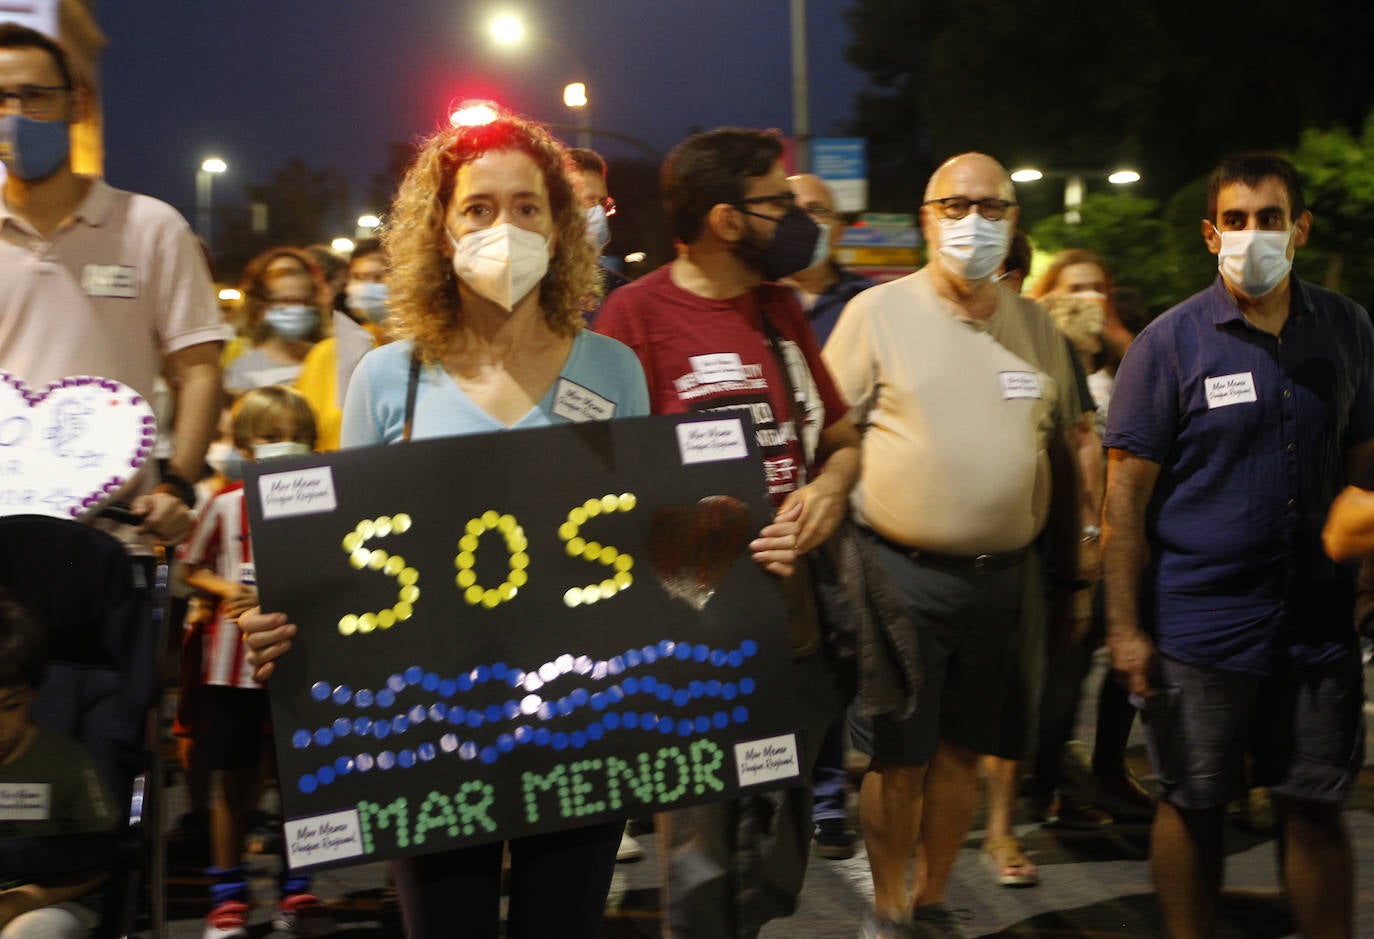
[
  {"x": 32, "y": 149},
  {"x": 366, "y": 301},
  {"x": 292, "y": 320},
  {"x": 598, "y": 228},
  {"x": 233, "y": 464}
]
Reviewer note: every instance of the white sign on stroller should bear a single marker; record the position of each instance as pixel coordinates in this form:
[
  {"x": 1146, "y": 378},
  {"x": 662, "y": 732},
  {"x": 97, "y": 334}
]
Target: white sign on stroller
[{"x": 68, "y": 449}]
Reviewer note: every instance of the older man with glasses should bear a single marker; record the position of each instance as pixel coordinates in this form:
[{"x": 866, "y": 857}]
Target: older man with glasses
[{"x": 963, "y": 392}]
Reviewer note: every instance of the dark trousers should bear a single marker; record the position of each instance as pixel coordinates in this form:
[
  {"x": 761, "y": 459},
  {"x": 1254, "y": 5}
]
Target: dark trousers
[{"x": 558, "y": 887}]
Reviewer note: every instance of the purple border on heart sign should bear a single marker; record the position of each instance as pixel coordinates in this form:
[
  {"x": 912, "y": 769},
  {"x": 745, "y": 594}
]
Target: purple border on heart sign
[{"x": 69, "y": 448}]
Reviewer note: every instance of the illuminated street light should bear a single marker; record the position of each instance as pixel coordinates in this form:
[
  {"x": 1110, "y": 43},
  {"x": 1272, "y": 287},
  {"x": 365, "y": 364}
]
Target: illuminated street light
[
  {"x": 474, "y": 114},
  {"x": 369, "y": 221},
  {"x": 342, "y": 245},
  {"x": 507, "y": 29},
  {"x": 230, "y": 295},
  {"x": 210, "y": 167},
  {"x": 1074, "y": 185},
  {"x": 575, "y": 97}
]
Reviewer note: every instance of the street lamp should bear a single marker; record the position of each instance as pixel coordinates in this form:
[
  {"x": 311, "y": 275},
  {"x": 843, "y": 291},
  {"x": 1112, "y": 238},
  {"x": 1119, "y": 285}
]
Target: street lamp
[
  {"x": 508, "y": 31},
  {"x": 575, "y": 97},
  {"x": 1074, "y": 185},
  {"x": 342, "y": 246},
  {"x": 367, "y": 226},
  {"x": 210, "y": 167}
]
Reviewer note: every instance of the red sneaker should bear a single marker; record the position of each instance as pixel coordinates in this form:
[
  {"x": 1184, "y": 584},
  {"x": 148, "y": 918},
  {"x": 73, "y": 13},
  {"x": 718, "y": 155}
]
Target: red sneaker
[
  {"x": 229, "y": 920},
  {"x": 303, "y": 914}
]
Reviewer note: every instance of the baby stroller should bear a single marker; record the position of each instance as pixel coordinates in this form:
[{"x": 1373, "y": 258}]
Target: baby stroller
[{"x": 105, "y": 622}]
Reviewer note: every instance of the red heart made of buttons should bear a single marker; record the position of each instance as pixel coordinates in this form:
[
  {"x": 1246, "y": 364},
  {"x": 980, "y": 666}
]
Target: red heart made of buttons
[
  {"x": 691, "y": 547},
  {"x": 68, "y": 449}
]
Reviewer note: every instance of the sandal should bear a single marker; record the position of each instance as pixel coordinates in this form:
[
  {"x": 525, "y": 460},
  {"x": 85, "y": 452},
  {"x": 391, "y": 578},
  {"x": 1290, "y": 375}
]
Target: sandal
[{"x": 1006, "y": 859}]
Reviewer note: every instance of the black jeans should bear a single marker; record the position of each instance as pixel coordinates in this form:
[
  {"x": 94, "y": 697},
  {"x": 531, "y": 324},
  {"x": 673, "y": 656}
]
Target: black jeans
[{"x": 558, "y": 887}]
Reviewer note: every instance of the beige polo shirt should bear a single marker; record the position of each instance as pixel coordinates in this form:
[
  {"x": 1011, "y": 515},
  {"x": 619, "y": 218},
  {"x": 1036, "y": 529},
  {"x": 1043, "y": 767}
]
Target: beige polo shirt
[
  {"x": 956, "y": 415},
  {"x": 122, "y": 283}
]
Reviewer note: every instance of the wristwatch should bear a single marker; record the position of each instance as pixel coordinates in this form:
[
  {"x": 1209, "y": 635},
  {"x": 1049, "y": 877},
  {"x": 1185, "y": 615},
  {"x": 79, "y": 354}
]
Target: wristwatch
[{"x": 174, "y": 485}]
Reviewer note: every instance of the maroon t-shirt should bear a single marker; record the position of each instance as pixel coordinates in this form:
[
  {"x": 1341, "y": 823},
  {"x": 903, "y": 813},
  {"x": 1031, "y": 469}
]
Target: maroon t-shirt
[{"x": 704, "y": 355}]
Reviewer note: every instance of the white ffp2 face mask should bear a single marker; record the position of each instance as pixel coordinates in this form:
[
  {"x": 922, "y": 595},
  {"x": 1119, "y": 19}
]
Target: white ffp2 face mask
[
  {"x": 1254, "y": 261},
  {"x": 271, "y": 451},
  {"x": 502, "y": 263},
  {"x": 972, "y": 247}
]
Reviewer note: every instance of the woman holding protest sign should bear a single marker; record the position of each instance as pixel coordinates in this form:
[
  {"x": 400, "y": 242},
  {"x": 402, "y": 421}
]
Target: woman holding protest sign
[{"x": 489, "y": 268}]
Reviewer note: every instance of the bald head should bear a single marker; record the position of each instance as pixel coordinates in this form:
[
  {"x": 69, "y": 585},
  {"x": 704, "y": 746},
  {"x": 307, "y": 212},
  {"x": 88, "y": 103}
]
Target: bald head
[
  {"x": 812, "y": 192},
  {"x": 958, "y": 174}
]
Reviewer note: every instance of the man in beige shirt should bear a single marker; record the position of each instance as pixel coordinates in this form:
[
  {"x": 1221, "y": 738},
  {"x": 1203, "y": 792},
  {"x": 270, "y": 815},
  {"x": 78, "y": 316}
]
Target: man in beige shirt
[{"x": 964, "y": 393}]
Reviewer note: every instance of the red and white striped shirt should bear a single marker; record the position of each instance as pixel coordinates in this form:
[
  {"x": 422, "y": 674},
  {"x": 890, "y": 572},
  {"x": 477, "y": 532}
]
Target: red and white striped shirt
[{"x": 220, "y": 542}]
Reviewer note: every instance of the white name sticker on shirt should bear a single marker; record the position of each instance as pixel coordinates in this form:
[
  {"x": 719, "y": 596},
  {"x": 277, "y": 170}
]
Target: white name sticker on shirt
[
  {"x": 1231, "y": 389},
  {"x": 248, "y": 575},
  {"x": 580, "y": 405},
  {"x": 321, "y": 838},
  {"x": 110, "y": 280},
  {"x": 1019, "y": 385},
  {"x": 719, "y": 366},
  {"x": 712, "y": 441},
  {"x": 25, "y": 802},
  {"x": 298, "y": 492},
  {"x": 766, "y": 760}
]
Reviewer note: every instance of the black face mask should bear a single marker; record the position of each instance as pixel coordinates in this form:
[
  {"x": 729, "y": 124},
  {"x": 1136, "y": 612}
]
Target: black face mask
[{"x": 791, "y": 248}]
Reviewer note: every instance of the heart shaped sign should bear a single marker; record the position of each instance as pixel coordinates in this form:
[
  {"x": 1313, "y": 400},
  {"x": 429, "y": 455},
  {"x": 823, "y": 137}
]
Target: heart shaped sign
[
  {"x": 691, "y": 547},
  {"x": 67, "y": 449}
]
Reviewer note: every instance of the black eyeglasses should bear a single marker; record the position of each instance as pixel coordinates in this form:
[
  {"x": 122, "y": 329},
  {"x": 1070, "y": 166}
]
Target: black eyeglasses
[
  {"x": 34, "y": 100},
  {"x": 782, "y": 201},
  {"x": 956, "y": 207},
  {"x": 820, "y": 213}
]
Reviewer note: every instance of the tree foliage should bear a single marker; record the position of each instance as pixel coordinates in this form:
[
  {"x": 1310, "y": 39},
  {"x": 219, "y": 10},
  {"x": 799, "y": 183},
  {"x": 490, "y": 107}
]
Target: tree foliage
[
  {"x": 1337, "y": 168},
  {"x": 1169, "y": 86}
]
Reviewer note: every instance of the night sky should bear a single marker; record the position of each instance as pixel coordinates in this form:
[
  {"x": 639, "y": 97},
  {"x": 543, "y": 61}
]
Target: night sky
[{"x": 335, "y": 81}]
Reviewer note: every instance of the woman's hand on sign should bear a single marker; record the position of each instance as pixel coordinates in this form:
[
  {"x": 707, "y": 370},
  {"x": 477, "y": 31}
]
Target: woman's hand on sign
[
  {"x": 776, "y": 546},
  {"x": 268, "y": 637}
]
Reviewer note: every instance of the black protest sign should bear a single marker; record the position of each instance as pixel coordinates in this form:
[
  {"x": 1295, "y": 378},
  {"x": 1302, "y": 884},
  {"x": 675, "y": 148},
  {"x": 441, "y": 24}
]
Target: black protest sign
[{"x": 518, "y": 632}]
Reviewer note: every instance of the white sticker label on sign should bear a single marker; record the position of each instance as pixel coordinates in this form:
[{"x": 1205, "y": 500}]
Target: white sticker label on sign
[
  {"x": 1019, "y": 385},
  {"x": 299, "y": 492},
  {"x": 767, "y": 760},
  {"x": 712, "y": 441},
  {"x": 25, "y": 802},
  {"x": 1225, "y": 390},
  {"x": 718, "y": 366},
  {"x": 322, "y": 838},
  {"x": 579, "y": 405}
]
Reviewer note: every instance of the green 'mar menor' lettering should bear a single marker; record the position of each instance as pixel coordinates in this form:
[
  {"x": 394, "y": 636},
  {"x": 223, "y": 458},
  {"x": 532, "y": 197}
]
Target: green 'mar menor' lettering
[
  {"x": 653, "y": 779},
  {"x": 462, "y": 814}
]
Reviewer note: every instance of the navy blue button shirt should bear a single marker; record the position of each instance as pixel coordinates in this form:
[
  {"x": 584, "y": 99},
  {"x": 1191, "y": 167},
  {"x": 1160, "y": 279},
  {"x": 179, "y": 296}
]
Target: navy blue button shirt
[
  {"x": 825, "y": 313},
  {"x": 1250, "y": 431}
]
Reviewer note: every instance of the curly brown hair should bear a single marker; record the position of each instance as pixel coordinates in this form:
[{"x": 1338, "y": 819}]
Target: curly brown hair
[{"x": 424, "y": 301}]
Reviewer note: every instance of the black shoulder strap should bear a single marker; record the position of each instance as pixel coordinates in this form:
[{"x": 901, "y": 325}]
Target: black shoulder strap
[
  {"x": 798, "y": 412},
  {"x": 412, "y": 386}
]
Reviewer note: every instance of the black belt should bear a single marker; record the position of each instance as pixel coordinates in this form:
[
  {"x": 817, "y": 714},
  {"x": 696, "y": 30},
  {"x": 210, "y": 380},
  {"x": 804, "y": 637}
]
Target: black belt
[{"x": 977, "y": 563}]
